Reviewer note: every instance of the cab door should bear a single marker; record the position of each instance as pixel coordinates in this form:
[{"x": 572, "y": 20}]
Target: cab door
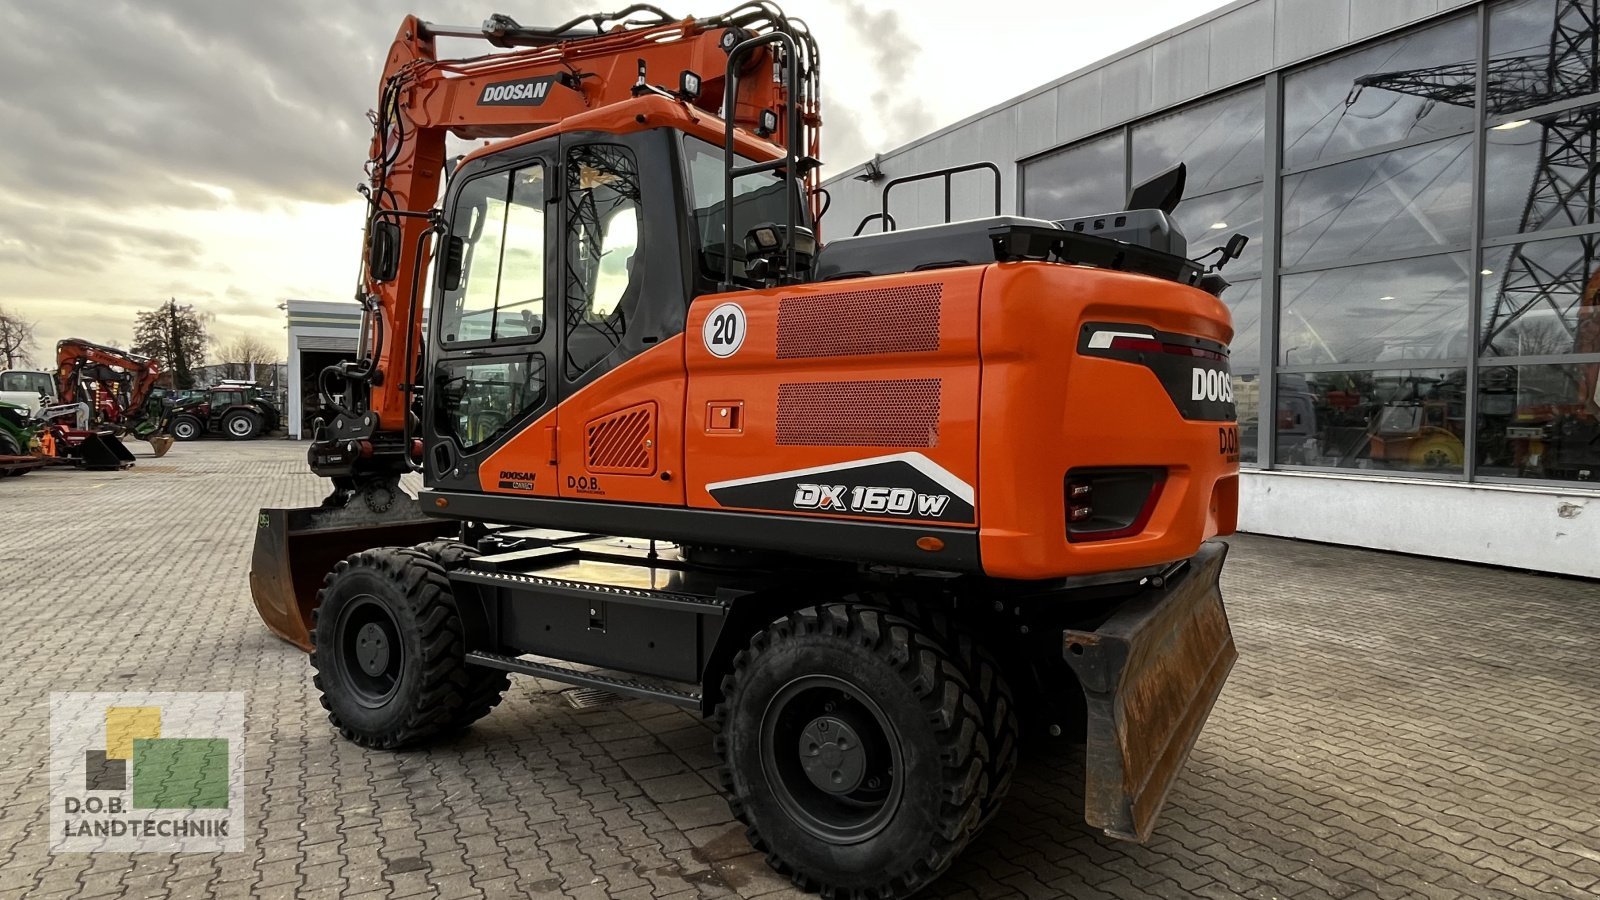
[
  {"x": 493, "y": 337},
  {"x": 623, "y": 303}
]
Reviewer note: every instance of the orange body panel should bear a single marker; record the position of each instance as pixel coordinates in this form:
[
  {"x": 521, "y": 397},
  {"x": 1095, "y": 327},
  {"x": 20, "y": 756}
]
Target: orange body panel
[
  {"x": 755, "y": 375},
  {"x": 1047, "y": 409},
  {"x": 1016, "y": 408}
]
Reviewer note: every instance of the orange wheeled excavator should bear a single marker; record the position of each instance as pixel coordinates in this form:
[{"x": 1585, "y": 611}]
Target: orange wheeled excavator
[{"x": 877, "y": 506}]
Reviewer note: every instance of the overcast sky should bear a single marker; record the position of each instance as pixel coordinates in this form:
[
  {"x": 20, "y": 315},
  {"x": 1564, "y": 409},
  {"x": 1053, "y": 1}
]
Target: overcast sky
[{"x": 210, "y": 149}]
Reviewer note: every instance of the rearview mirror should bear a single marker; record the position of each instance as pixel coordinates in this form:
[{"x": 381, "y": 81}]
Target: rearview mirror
[
  {"x": 455, "y": 251},
  {"x": 384, "y": 262}
]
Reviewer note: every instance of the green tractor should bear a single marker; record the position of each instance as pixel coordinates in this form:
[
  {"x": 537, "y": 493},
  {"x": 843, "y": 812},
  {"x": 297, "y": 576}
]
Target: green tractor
[{"x": 19, "y": 440}]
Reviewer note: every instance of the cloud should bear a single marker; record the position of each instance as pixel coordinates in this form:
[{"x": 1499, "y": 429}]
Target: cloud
[{"x": 898, "y": 104}]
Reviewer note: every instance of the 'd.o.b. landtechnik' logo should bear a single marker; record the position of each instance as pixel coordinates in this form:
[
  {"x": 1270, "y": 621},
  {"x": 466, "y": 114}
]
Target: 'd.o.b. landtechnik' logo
[{"x": 150, "y": 772}]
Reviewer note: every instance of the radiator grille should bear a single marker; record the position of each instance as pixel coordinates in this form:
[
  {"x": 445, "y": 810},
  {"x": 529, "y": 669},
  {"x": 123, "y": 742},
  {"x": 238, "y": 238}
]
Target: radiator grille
[
  {"x": 860, "y": 323},
  {"x": 623, "y": 442},
  {"x": 902, "y": 413}
]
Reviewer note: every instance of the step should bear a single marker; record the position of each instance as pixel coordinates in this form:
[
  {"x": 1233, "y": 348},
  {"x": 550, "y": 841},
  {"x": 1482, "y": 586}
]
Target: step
[{"x": 687, "y": 699}]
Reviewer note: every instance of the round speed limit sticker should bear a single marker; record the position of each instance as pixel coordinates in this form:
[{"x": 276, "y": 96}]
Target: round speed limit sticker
[{"x": 724, "y": 330}]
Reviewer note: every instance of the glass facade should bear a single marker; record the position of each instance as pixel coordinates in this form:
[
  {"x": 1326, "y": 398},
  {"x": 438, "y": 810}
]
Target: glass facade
[{"x": 1422, "y": 290}]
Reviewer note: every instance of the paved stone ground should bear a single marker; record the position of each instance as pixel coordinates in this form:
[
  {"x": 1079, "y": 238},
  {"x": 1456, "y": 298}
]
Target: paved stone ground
[{"x": 1396, "y": 727}]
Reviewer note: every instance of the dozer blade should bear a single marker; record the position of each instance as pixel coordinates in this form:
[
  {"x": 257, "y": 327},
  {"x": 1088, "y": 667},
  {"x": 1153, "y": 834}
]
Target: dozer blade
[
  {"x": 296, "y": 548},
  {"x": 101, "y": 451},
  {"x": 160, "y": 443},
  {"x": 1150, "y": 676}
]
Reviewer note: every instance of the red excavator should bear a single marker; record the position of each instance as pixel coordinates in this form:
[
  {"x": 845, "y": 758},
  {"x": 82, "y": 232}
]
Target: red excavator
[
  {"x": 102, "y": 395},
  {"x": 878, "y": 507}
]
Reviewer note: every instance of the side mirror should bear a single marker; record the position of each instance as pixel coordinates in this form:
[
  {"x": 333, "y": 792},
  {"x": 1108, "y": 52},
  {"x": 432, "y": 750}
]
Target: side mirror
[
  {"x": 1163, "y": 190},
  {"x": 455, "y": 251},
  {"x": 384, "y": 262}
]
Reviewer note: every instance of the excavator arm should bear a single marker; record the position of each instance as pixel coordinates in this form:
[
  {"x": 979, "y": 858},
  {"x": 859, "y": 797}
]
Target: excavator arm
[
  {"x": 74, "y": 354},
  {"x": 545, "y": 77}
]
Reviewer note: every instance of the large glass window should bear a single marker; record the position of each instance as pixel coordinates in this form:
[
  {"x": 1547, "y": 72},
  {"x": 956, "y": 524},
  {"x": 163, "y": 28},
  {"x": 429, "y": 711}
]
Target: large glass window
[
  {"x": 500, "y": 217},
  {"x": 1394, "y": 420},
  {"x": 1412, "y": 309},
  {"x": 604, "y": 261},
  {"x": 757, "y": 199},
  {"x": 1408, "y": 88},
  {"x": 1540, "y": 51},
  {"x": 1418, "y": 198},
  {"x": 1079, "y": 181},
  {"x": 1540, "y": 421},
  {"x": 1208, "y": 221},
  {"x": 1545, "y": 172},
  {"x": 1244, "y": 303},
  {"x": 1541, "y": 298},
  {"x": 1219, "y": 142}
]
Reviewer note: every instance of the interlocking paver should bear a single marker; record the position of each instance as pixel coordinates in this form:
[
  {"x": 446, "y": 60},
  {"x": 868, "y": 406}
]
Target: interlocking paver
[{"x": 1395, "y": 727}]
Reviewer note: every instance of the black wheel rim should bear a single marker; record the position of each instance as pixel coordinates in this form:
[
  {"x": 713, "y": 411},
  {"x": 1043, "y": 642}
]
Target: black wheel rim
[
  {"x": 370, "y": 654},
  {"x": 832, "y": 759}
]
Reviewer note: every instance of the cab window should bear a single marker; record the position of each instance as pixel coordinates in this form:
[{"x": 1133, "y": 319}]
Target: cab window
[
  {"x": 480, "y": 400},
  {"x": 500, "y": 218},
  {"x": 604, "y": 258},
  {"x": 757, "y": 199}
]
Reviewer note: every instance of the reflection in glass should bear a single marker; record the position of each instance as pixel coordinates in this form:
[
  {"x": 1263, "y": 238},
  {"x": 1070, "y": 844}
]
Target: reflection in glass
[
  {"x": 1544, "y": 173},
  {"x": 1247, "y": 403},
  {"x": 1542, "y": 298},
  {"x": 1408, "y": 421},
  {"x": 1219, "y": 141},
  {"x": 1412, "y": 199},
  {"x": 1540, "y": 51},
  {"x": 1410, "y": 87},
  {"x": 477, "y": 401},
  {"x": 1209, "y": 221},
  {"x": 1079, "y": 181},
  {"x": 1539, "y": 421},
  {"x": 1244, "y": 303},
  {"x": 1411, "y": 309}
]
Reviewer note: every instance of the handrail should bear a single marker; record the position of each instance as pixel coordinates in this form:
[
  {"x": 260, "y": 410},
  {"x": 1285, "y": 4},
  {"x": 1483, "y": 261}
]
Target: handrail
[
  {"x": 946, "y": 174},
  {"x": 791, "y": 162}
]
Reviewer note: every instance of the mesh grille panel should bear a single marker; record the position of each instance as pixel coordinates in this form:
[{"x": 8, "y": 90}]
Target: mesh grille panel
[
  {"x": 860, "y": 323},
  {"x": 903, "y": 413},
  {"x": 623, "y": 442}
]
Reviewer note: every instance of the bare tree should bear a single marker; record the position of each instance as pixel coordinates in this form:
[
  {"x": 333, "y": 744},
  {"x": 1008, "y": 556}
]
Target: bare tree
[
  {"x": 16, "y": 339},
  {"x": 240, "y": 354}
]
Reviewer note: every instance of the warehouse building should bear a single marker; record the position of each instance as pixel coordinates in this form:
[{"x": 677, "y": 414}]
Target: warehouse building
[
  {"x": 321, "y": 334},
  {"x": 1417, "y": 343}
]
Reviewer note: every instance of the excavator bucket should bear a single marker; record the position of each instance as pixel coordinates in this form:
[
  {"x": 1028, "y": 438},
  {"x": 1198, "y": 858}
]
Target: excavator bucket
[
  {"x": 1150, "y": 675},
  {"x": 296, "y": 548},
  {"x": 160, "y": 443},
  {"x": 100, "y": 451}
]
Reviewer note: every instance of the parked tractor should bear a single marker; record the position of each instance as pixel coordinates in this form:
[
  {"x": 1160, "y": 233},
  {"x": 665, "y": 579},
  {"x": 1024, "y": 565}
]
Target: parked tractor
[{"x": 237, "y": 409}]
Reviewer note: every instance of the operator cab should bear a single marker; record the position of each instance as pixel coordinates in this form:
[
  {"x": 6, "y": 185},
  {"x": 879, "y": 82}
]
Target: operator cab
[{"x": 569, "y": 256}]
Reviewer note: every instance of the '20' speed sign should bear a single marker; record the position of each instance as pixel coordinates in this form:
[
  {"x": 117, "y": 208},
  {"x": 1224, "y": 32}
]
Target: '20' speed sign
[{"x": 723, "y": 331}]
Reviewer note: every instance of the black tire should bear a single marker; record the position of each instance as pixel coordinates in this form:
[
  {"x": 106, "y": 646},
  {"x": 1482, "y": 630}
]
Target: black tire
[
  {"x": 999, "y": 707},
  {"x": 388, "y": 652},
  {"x": 241, "y": 426},
  {"x": 187, "y": 428},
  {"x": 485, "y": 687},
  {"x": 10, "y": 447},
  {"x": 884, "y": 814}
]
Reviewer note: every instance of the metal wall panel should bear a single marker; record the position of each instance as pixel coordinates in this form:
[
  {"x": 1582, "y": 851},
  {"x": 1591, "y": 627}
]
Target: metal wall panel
[
  {"x": 1307, "y": 28},
  {"x": 1241, "y": 42},
  {"x": 1180, "y": 68},
  {"x": 1078, "y": 107},
  {"x": 1035, "y": 124},
  {"x": 1370, "y": 17},
  {"x": 1125, "y": 88}
]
